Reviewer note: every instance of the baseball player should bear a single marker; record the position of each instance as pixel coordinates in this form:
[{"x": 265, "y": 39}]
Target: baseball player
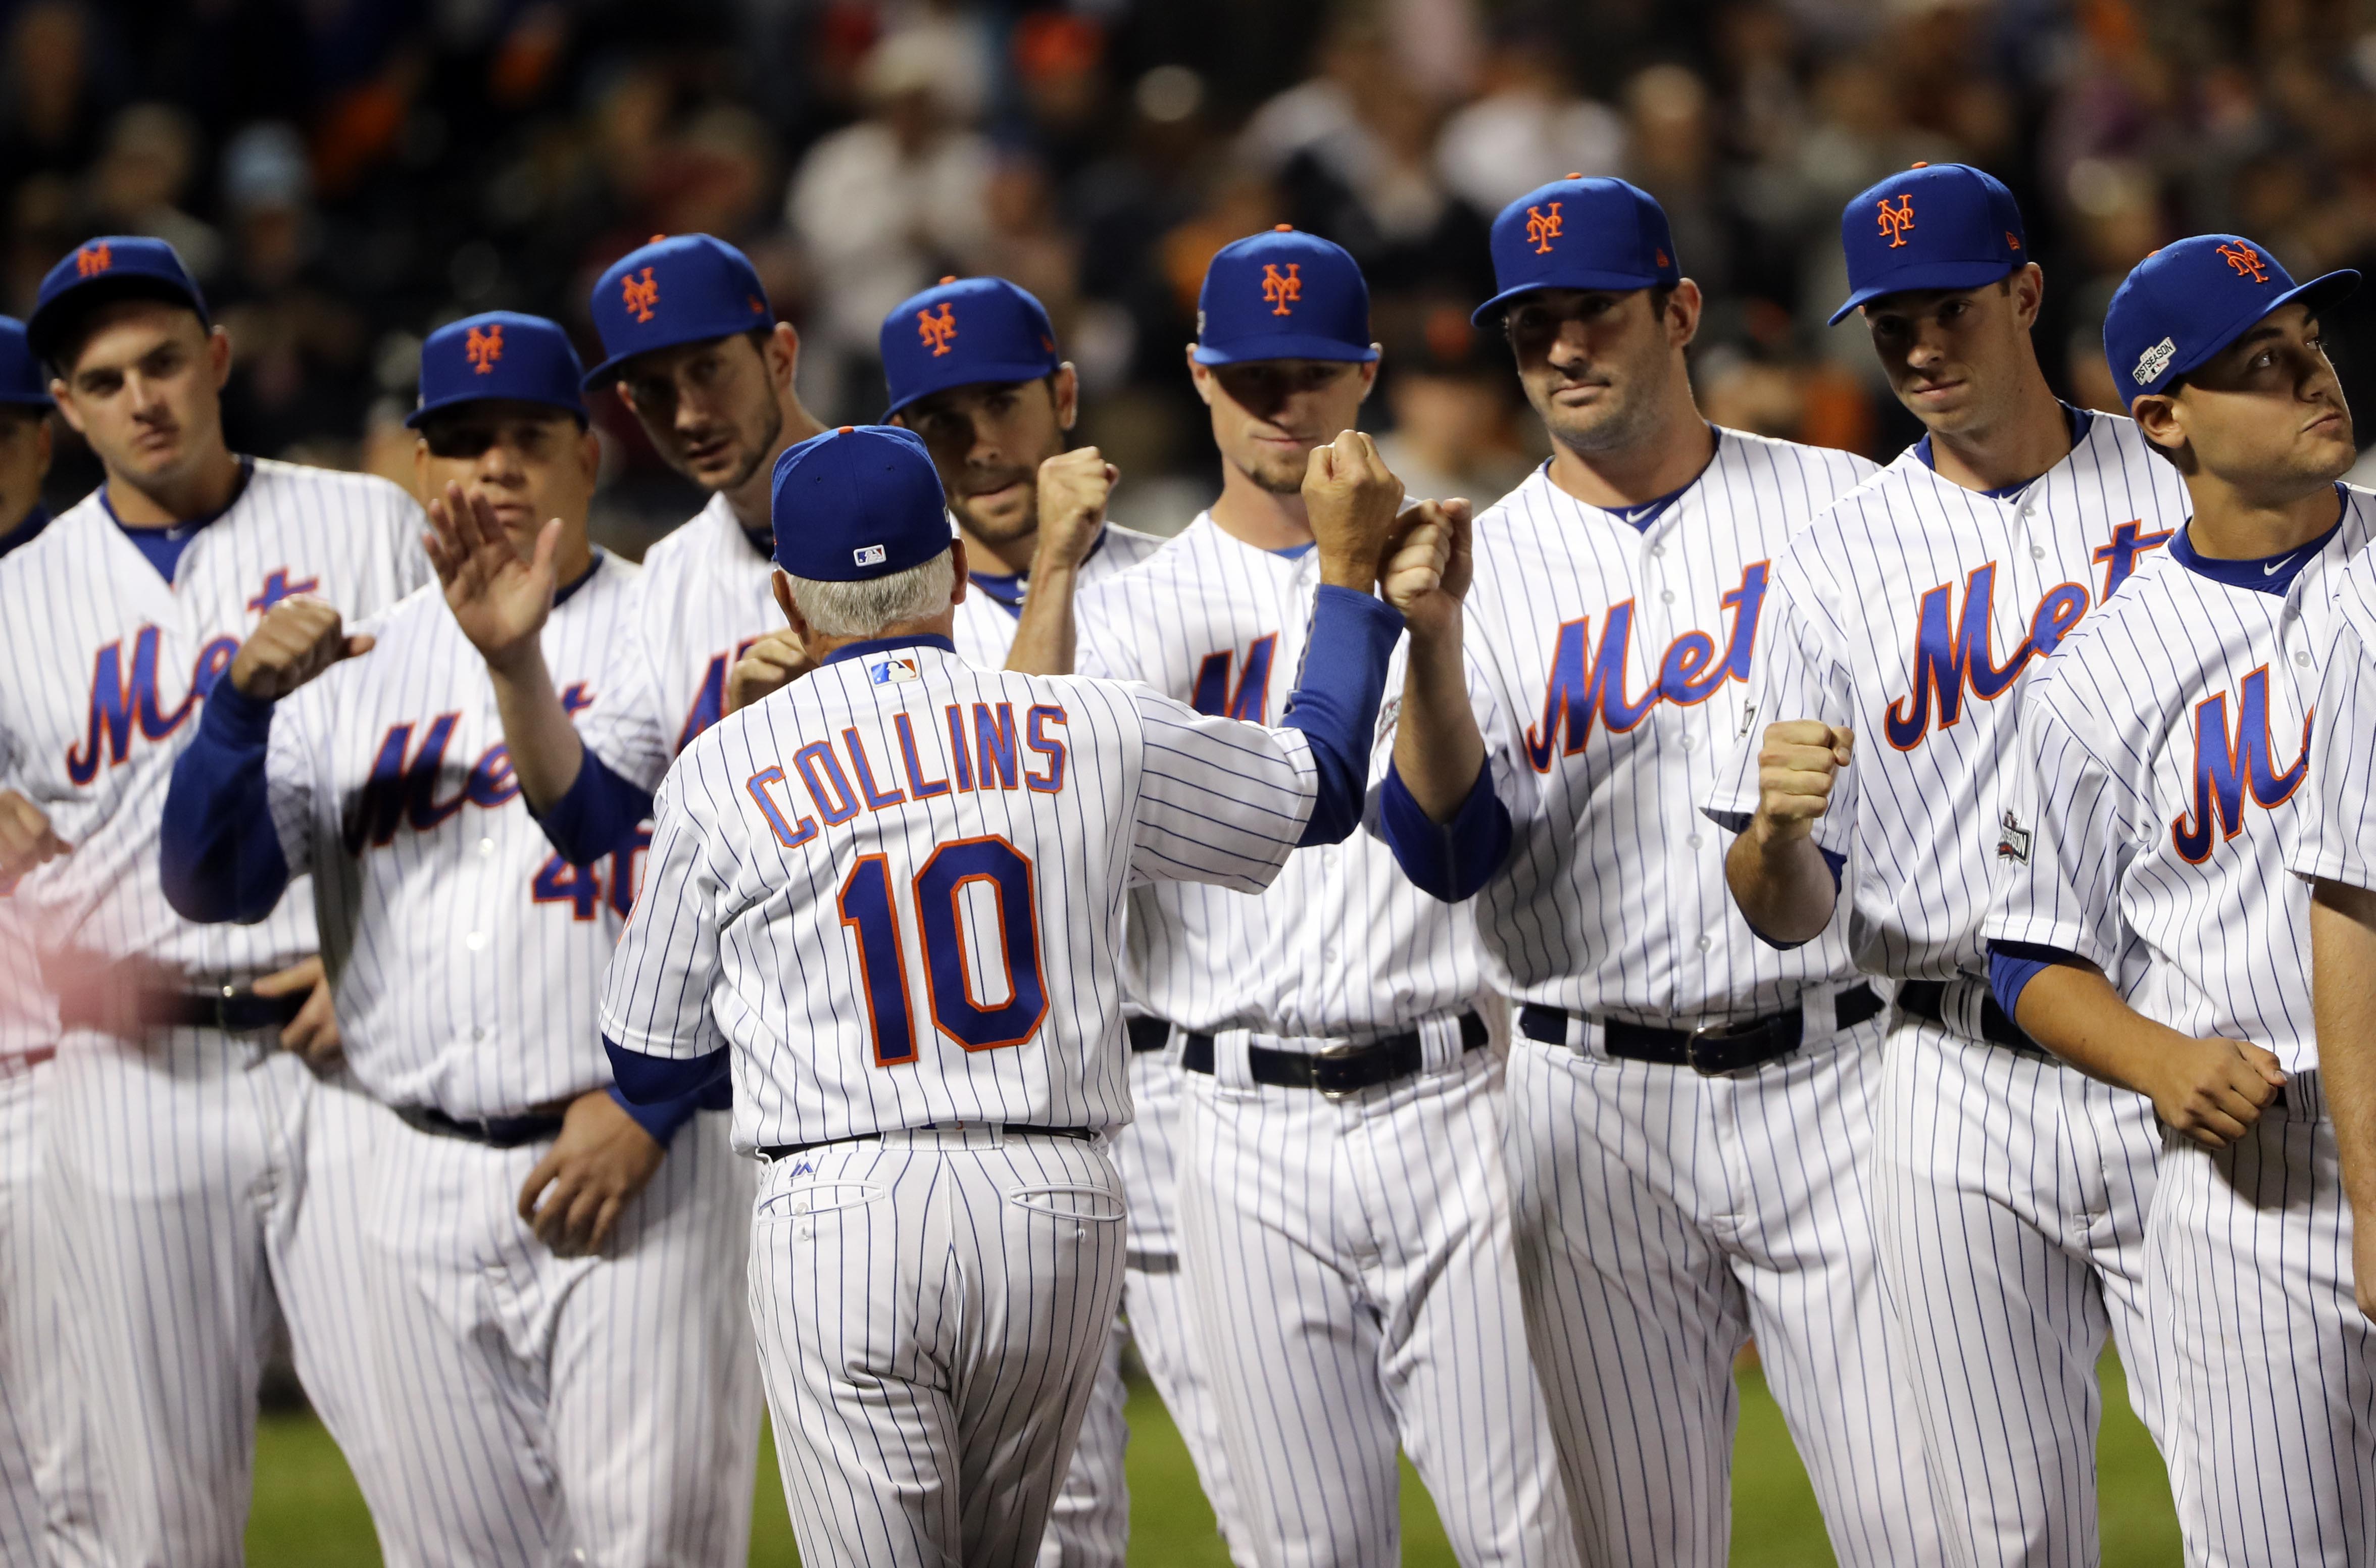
[
  {"x": 1330, "y": 1028},
  {"x": 1690, "y": 1124},
  {"x": 36, "y": 1412},
  {"x": 171, "y": 1113},
  {"x": 562, "y": 1352},
  {"x": 2009, "y": 1190},
  {"x": 2145, "y": 928},
  {"x": 974, "y": 371},
  {"x": 701, "y": 361},
  {"x": 937, "y": 1255}
]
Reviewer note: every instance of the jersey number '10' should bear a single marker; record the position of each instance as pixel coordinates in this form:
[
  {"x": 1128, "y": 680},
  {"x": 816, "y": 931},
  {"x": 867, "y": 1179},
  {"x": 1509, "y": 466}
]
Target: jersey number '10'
[{"x": 938, "y": 895}]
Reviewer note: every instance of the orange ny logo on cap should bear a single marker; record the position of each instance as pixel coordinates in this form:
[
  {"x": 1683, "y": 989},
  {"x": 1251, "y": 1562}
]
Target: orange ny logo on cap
[
  {"x": 934, "y": 331},
  {"x": 1542, "y": 228},
  {"x": 1896, "y": 221},
  {"x": 1281, "y": 292},
  {"x": 91, "y": 260},
  {"x": 640, "y": 294},
  {"x": 483, "y": 349},
  {"x": 2246, "y": 261}
]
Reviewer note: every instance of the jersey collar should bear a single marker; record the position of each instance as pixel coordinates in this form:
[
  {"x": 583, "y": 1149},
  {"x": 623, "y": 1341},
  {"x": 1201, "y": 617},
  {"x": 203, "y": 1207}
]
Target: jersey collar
[
  {"x": 2267, "y": 574},
  {"x": 1007, "y": 590},
  {"x": 1643, "y": 516},
  {"x": 883, "y": 645},
  {"x": 2079, "y": 419},
  {"x": 561, "y": 595}
]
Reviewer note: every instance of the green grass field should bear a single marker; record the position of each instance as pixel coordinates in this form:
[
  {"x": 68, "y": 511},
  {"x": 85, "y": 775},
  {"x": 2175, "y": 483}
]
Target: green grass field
[{"x": 307, "y": 1511}]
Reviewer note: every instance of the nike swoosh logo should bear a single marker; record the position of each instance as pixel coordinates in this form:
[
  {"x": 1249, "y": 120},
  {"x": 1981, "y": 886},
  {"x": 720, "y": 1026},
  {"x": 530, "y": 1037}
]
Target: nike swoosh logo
[{"x": 2274, "y": 568}]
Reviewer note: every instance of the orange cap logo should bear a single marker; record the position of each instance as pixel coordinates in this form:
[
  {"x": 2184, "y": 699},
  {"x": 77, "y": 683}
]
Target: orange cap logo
[
  {"x": 934, "y": 331},
  {"x": 1281, "y": 292},
  {"x": 2246, "y": 261},
  {"x": 92, "y": 261},
  {"x": 483, "y": 349},
  {"x": 640, "y": 295},
  {"x": 1542, "y": 228},
  {"x": 1896, "y": 221}
]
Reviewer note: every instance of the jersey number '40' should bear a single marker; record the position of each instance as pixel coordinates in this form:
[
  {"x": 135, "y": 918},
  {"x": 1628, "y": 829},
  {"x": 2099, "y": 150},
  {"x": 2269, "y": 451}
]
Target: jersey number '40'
[{"x": 1008, "y": 928}]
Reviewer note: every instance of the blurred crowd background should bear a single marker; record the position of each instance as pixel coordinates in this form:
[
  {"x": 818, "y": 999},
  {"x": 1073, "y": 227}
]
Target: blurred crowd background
[{"x": 345, "y": 175}]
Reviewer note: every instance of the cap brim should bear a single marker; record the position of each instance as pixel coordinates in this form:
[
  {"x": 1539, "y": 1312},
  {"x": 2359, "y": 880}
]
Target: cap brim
[
  {"x": 48, "y": 325},
  {"x": 1288, "y": 346},
  {"x": 1004, "y": 375},
  {"x": 1614, "y": 282},
  {"x": 577, "y": 410},
  {"x": 1924, "y": 279},
  {"x": 2327, "y": 289},
  {"x": 602, "y": 375}
]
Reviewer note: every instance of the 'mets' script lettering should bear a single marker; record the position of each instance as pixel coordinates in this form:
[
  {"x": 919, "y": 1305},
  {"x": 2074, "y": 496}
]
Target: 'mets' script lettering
[
  {"x": 1581, "y": 691},
  {"x": 832, "y": 782}
]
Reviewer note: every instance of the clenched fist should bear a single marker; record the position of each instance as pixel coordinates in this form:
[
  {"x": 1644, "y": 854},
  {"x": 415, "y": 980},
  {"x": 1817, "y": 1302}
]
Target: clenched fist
[
  {"x": 768, "y": 665},
  {"x": 2213, "y": 1090},
  {"x": 1797, "y": 766},
  {"x": 1428, "y": 574},
  {"x": 1073, "y": 489},
  {"x": 298, "y": 639},
  {"x": 26, "y": 839},
  {"x": 1352, "y": 500}
]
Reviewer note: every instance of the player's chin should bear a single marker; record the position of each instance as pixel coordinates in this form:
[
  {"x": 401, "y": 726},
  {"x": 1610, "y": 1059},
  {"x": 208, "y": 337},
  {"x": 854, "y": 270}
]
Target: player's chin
[{"x": 1004, "y": 520}]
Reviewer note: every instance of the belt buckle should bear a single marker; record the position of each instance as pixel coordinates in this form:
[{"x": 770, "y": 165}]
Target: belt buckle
[
  {"x": 224, "y": 996},
  {"x": 1723, "y": 1029},
  {"x": 1341, "y": 1051}
]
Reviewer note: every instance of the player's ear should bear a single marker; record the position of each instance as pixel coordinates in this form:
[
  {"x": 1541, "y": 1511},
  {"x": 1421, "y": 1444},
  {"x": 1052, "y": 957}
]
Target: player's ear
[
  {"x": 1199, "y": 375},
  {"x": 44, "y": 440},
  {"x": 781, "y": 586},
  {"x": 1064, "y": 387},
  {"x": 2028, "y": 294},
  {"x": 590, "y": 454},
  {"x": 1684, "y": 304},
  {"x": 2159, "y": 421},
  {"x": 783, "y": 356},
  {"x": 219, "y": 354},
  {"x": 957, "y": 570},
  {"x": 1370, "y": 376}
]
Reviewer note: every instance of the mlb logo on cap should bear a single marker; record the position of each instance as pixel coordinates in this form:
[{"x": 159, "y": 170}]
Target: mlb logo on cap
[
  {"x": 1580, "y": 233},
  {"x": 2185, "y": 302},
  {"x": 1936, "y": 226},
  {"x": 858, "y": 503},
  {"x": 1284, "y": 295},
  {"x": 964, "y": 332},
  {"x": 680, "y": 288}
]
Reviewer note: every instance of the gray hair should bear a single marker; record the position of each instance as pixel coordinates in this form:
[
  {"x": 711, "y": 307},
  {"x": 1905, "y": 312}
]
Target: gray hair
[{"x": 864, "y": 609}]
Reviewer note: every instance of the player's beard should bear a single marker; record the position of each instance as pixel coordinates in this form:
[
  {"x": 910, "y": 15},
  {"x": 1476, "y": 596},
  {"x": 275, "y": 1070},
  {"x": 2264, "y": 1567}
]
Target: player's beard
[
  {"x": 1623, "y": 418},
  {"x": 759, "y": 448},
  {"x": 1279, "y": 475},
  {"x": 1023, "y": 523}
]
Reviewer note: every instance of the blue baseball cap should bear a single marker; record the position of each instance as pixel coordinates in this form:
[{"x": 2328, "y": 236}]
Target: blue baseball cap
[
  {"x": 962, "y": 332},
  {"x": 2185, "y": 302},
  {"x": 23, "y": 379},
  {"x": 861, "y": 502},
  {"x": 115, "y": 267},
  {"x": 1284, "y": 295},
  {"x": 1580, "y": 233},
  {"x": 500, "y": 355},
  {"x": 678, "y": 289},
  {"x": 1936, "y": 226}
]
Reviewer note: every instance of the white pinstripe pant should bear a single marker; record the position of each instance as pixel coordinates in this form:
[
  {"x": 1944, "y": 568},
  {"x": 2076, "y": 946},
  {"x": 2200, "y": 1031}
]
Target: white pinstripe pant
[
  {"x": 544, "y": 1410},
  {"x": 1351, "y": 1280},
  {"x": 2271, "y": 1356},
  {"x": 1662, "y": 1218},
  {"x": 194, "y": 1178},
  {"x": 2010, "y": 1200},
  {"x": 1089, "y": 1527},
  {"x": 930, "y": 1309}
]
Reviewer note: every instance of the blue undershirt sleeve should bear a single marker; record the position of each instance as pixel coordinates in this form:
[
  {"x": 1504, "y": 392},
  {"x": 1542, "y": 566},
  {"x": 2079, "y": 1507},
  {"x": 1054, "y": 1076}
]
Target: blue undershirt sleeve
[
  {"x": 1449, "y": 860},
  {"x": 220, "y": 856},
  {"x": 662, "y": 1117},
  {"x": 2013, "y": 964},
  {"x": 1337, "y": 705},
  {"x": 650, "y": 1081},
  {"x": 595, "y": 815}
]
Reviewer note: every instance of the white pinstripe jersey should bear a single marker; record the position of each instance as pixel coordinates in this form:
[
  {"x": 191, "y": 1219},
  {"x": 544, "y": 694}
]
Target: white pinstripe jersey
[
  {"x": 1342, "y": 945},
  {"x": 985, "y": 629},
  {"x": 1912, "y": 610},
  {"x": 896, "y": 887},
  {"x": 2336, "y": 837},
  {"x": 2152, "y": 803},
  {"x": 704, "y": 598},
  {"x": 467, "y": 954},
  {"x": 1607, "y": 666},
  {"x": 108, "y": 663}
]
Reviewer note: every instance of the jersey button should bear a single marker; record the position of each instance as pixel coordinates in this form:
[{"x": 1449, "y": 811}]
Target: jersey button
[
  {"x": 2302, "y": 659},
  {"x": 475, "y": 941},
  {"x": 486, "y": 847},
  {"x": 1657, "y": 550},
  {"x": 1706, "y": 943},
  {"x": 2037, "y": 552},
  {"x": 1693, "y": 841},
  {"x": 1667, "y": 596},
  {"x": 1688, "y": 742}
]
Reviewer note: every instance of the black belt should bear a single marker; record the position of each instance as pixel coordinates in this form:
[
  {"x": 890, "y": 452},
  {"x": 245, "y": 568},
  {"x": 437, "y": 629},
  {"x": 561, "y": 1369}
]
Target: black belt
[
  {"x": 785, "y": 1151},
  {"x": 1147, "y": 1034},
  {"x": 1718, "y": 1047},
  {"x": 234, "y": 1012},
  {"x": 1928, "y": 1000},
  {"x": 495, "y": 1131},
  {"x": 1341, "y": 1069}
]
